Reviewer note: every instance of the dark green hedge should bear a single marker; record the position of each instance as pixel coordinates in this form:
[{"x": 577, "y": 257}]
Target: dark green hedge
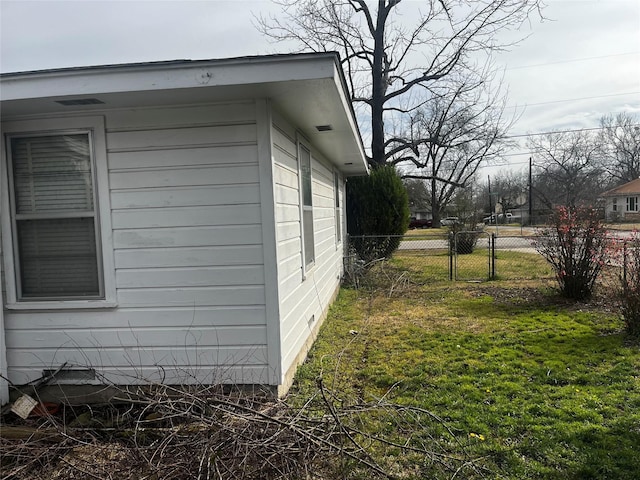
[{"x": 378, "y": 208}]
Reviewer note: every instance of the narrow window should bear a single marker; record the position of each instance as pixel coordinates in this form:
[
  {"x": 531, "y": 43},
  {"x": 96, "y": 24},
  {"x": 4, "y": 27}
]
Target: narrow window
[
  {"x": 54, "y": 217},
  {"x": 615, "y": 204},
  {"x": 632, "y": 204},
  {"x": 307, "y": 206},
  {"x": 336, "y": 189}
]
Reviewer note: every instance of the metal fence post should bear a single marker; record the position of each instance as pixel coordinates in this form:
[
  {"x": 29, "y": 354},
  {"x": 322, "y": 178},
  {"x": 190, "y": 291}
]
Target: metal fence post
[
  {"x": 492, "y": 262},
  {"x": 451, "y": 250}
]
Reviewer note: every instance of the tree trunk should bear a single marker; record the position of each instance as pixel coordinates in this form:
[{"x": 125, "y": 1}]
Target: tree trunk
[
  {"x": 379, "y": 87},
  {"x": 435, "y": 208}
]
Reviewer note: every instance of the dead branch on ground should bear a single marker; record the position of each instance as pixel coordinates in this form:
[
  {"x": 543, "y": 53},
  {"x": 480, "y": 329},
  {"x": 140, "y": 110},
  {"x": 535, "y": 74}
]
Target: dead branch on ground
[{"x": 202, "y": 432}]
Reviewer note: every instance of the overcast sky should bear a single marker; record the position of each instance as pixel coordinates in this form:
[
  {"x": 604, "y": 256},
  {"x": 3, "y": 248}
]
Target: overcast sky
[{"x": 581, "y": 63}]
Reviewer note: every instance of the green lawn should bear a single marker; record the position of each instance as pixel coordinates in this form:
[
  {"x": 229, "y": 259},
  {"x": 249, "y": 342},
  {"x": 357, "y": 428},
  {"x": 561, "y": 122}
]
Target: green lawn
[{"x": 527, "y": 385}]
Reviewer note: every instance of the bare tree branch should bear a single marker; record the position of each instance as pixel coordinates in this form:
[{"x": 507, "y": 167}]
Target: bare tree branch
[
  {"x": 568, "y": 169},
  {"x": 386, "y": 60}
]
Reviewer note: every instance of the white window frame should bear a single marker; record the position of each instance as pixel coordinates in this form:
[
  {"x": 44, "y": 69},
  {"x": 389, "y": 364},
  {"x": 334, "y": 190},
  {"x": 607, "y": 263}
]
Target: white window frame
[
  {"x": 308, "y": 258},
  {"x": 635, "y": 204},
  {"x": 338, "y": 207},
  {"x": 96, "y": 127}
]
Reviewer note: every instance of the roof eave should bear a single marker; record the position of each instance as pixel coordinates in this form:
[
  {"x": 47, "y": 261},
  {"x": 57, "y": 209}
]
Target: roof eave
[{"x": 287, "y": 80}]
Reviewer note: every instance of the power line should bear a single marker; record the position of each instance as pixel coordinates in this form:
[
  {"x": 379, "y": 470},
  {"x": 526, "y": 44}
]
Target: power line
[
  {"x": 533, "y": 152},
  {"x": 572, "y": 60},
  {"x": 571, "y": 130},
  {"x": 573, "y": 99}
]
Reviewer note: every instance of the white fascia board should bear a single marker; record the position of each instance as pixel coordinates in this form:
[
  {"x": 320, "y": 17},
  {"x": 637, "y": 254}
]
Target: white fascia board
[
  {"x": 164, "y": 76},
  {"x": 343, "y": 95}
]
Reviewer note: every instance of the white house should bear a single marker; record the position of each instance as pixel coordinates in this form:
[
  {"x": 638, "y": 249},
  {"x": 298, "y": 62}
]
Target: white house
[
  {"x": 174, "y": 221},
  {"x": 623, "y": 203}
]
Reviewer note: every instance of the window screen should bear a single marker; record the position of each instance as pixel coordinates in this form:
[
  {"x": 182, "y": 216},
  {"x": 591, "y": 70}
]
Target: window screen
[
  {"x": 307, "y": 205},
  {"x": 54, "y": 216}
]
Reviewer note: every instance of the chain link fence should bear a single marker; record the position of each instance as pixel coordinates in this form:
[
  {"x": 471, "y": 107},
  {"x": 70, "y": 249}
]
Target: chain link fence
[{"x": 469, "y": 256}]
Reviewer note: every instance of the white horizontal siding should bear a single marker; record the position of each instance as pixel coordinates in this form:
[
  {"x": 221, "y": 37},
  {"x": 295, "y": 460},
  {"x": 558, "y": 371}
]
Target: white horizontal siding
[
  {"x": 189, "y": 256},
  {"x": 188, "y": 363},
  {"x": 149, "y": 337},
  {"x": 185, "y": 176},
  {"x": 164, "y": 317},
  {"x": 185, "y": 296},
  {"x": 191, "y": 277},
  {"x": 185, "y": 157},
  {"x": 302, "y": 301},
  {"x": 187, "y": 236},
  {"x": 311, "y": 298},
  {"x": 186, "y": 137},
  {"x": 224, "y": 215},
  {"x": 186, "y": 215},
  {"x": 184, "y": 196}
]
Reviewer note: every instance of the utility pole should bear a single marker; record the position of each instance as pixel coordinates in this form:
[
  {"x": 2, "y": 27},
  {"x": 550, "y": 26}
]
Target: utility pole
[
  {"x": 490, "y": 206},
  {"x": 530, "y": 192}
]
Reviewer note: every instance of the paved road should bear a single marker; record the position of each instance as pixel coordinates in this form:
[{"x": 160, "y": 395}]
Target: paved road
[
  {"x": 502, "y": 243},
  {"x": 520, "y": 244}
]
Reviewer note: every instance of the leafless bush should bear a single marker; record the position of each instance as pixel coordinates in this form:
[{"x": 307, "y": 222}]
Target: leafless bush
[
  {"x": 629, "y": 285},
  {"x": 377, "y": 275}
]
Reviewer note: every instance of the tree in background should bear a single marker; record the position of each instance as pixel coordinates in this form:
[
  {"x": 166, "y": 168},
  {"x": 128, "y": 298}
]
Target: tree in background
[
  {"x": 509, "y": 189},
  {"x": 619, "y": 140},
  {"x": 377, "y": 213},
  {"x": 568, "y": 170},
  {"x": 466, "y": 127},
  {"x": 387, "y": 61},
  {"x": 417, "y": 193}
]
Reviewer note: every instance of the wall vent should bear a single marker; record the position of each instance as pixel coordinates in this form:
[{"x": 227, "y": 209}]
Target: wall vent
[
  {"x": 80, "y": 101},
  {"x": 70, "y": 374},
  {"x": 324, "y": 128}
]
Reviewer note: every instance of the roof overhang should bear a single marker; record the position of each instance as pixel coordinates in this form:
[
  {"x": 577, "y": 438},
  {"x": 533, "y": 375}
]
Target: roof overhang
[
  {"x": 629, "y": 188},
  {"x": 308, "y": 89}
]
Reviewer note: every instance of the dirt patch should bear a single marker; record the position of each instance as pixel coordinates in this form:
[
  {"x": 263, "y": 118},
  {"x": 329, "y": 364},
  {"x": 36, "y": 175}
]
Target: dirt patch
[{"x": 547, "y": 297}]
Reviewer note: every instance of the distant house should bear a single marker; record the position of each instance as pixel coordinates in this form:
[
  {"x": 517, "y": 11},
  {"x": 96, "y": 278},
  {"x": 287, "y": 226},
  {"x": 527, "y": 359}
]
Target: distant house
[
  {"x": 174, "y": 221},
  {"x": 623, "y": 203}
]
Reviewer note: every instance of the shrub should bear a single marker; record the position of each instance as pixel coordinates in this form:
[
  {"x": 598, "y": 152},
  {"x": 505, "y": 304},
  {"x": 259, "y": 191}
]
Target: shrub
[
  {"x": 630, "y": 285},
  {"x": 463, "y": 237},
  {"x": 377, "y": 213},
  {"x": 575, "y": 244}
]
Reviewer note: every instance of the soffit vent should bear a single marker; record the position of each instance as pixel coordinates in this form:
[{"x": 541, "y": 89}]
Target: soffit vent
[
  {"x": 80, "y": 101},
  {"x": 324, "y": 128}
]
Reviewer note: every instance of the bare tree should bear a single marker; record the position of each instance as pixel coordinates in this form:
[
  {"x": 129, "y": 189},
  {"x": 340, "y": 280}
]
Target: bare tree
[
  {"x": 418, "y": 194},
  {"x": 386, "y": 60},
  {"x": 466, "y": 128},
  {"x": 567, "y": 169},
  {"x": 511, "y": 189},
  {"x": 620, "y": 143}
]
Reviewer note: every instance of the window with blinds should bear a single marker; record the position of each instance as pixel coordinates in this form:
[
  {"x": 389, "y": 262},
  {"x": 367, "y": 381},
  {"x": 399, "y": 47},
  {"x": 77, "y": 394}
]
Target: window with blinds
[
  {"x": 307, "y": 206},
  {"x": 54, "y": 216}
]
